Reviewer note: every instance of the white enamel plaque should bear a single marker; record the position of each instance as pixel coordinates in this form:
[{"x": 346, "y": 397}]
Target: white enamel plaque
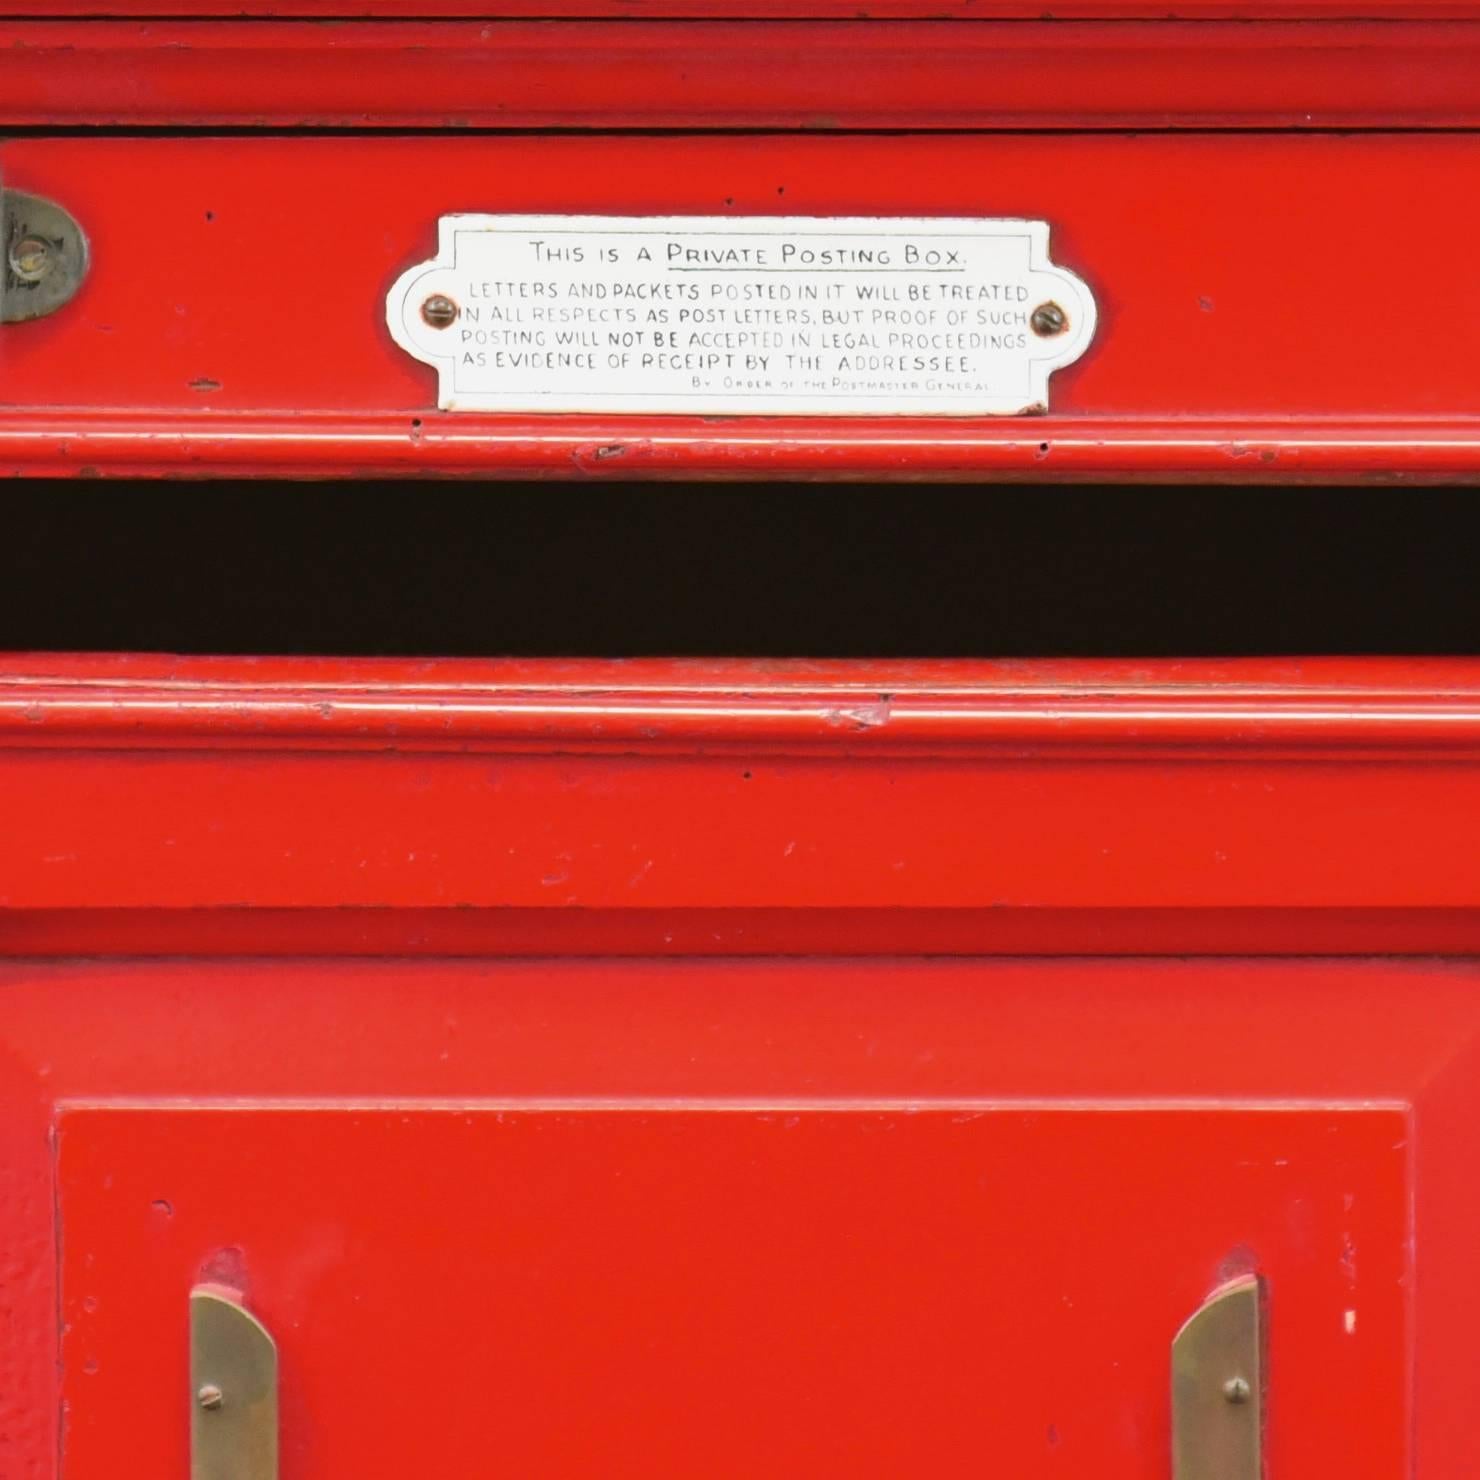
[{"x": 763, "y": 316}]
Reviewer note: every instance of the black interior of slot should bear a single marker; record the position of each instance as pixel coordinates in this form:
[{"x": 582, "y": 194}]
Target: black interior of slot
[{"x": 737, "y": 570}]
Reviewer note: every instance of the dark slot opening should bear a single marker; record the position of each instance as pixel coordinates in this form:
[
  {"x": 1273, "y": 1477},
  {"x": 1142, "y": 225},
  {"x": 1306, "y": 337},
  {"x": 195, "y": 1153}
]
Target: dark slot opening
[{"x": 775, "y": 570}]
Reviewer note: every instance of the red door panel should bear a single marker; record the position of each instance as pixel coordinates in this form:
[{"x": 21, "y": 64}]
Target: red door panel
[{"x": 871, "y": 1290}]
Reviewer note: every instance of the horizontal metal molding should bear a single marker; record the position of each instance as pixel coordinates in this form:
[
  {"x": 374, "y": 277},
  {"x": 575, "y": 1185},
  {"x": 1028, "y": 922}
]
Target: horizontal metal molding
[
  {"x": 281, "y": 807},
  {"x": 1330, "y": 707},
  {"x": 782, "y": 10},
  {"x": 370, "y": 934},
  {"x": 517, "y": 74},
  {"x": 428, "y": 444}
]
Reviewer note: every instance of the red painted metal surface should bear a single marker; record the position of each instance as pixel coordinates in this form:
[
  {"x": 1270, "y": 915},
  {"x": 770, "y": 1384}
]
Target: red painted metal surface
[
  {"x": 856, "y": 1205},
  {"x": 776, "y": 10},
  {"x": 1241, "y": 333},
  {"x": 1237, "y": 1105},
  {"x": 615, "y": 74},
  {"x": 789, "y": 1290},
  {"x": 690, "y": 807}
]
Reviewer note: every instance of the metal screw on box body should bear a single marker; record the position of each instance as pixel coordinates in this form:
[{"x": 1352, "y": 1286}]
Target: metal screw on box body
[
  {"x": 1049, "y": 318},
  {"x": 210, "y": 1396},
  {"x": 1236, "y": 1390},
  {"x": 44, "y": 257},
  {"x": 439, "y": 311},
  {"x": 31, "y": 258}
]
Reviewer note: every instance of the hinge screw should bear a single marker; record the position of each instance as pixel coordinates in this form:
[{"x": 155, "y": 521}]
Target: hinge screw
[
  {"x": 31, "y": 258},
  {"x": 1049, "y": 318},
  {"x": 1236, "y": 1390},
  {"x": 210, "y": 1396},
  {"x": 439, "y": 311}
]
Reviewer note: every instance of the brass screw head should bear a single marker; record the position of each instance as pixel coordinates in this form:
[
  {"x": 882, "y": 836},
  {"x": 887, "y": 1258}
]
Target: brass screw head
[
  {"x": 210, "y": 1396},
  {"x": 1049, "y": 318},
  {"x": 31, "y": 258},
  {"x": 439, "y": 311},
  {"x": 1236, "y": 1390}
]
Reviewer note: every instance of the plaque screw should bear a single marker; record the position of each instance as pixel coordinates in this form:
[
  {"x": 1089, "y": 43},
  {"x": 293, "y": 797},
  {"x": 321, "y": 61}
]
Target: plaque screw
[
  {"x": 31, "y": 258},
  {"x": 439, "y": 311},
  {"x": 1236, "y": 1390},
  {"x": 1049, "y": 318},
  {"x": 210, "y": 1396}
]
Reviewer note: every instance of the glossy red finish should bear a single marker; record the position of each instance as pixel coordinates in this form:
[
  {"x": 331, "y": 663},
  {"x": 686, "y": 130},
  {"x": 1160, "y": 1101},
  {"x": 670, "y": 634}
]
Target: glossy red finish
[
  {"x": 886, "y": 1126},
  {"x": 692, "y": 807},
  {"x": 1230, "y": 342},
  {"x": 775, "y": 10},
  {"x": 728, "y": 1291},
  {"x": 876, "y": 1201},
  {"x": 615, "y": 74}
]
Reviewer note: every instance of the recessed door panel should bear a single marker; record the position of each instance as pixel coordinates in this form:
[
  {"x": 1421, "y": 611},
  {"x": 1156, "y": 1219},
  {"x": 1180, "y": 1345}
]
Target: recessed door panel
[{"x": 857, "y": 1291}]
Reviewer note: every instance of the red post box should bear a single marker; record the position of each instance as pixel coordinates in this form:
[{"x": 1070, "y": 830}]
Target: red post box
[
  {"x": 671, "y": 1069},
  {"x": 678, "y": 1068}
]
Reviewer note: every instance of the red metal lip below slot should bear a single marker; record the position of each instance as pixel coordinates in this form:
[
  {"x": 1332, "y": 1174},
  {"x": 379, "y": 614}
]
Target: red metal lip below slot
[
  {"x": 521, "y": 933},
  {"x": 700, "y": 807},
  {"x": 1334, "y": 709}
]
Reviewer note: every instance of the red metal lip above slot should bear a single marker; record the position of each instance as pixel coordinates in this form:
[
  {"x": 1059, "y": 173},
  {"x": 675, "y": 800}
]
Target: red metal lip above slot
[
  {"x": 1269, "y": 303},
  {"x": 415, "y": 443}
]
